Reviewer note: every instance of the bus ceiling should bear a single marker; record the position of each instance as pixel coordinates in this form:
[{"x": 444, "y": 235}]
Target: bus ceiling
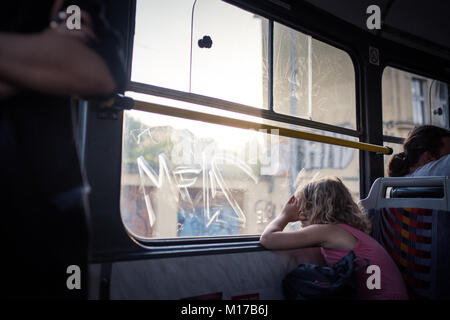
[{"x": 423, "y": 25}]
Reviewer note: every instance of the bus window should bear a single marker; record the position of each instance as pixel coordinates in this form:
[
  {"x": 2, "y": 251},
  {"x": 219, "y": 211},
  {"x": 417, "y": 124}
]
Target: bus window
[
  {"x": 410, "y": 100},
  {"x": 396, "y": 148},
  {"x": 312, "y": 78},
  {"x": 439, "y": 110},
  {"x": 204, "y": 47},
  {"x": 184, "y": 178}
]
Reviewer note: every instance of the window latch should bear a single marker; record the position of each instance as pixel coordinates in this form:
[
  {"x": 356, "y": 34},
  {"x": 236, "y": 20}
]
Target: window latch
[{"x": 109, "y": 109}]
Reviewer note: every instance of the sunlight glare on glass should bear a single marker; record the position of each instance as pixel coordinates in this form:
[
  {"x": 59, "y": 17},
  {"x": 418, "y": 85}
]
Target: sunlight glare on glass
[
  {"x": 232, "y": 69},
  {"x": 228, "y": 137}
]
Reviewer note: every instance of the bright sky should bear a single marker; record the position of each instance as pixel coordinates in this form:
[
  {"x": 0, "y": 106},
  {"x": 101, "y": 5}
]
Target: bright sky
[
  {"x": 227, "y": 137},
  {"x": 231, "y": 69}
]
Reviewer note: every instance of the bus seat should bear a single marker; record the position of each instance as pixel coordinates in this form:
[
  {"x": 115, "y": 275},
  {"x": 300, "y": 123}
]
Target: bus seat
[
  {"x": 417, "y": 192},
  {"x": 415, "y": 230}
]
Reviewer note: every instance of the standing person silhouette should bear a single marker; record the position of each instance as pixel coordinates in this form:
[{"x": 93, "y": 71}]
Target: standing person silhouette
[{"x": 43, "y": 202}]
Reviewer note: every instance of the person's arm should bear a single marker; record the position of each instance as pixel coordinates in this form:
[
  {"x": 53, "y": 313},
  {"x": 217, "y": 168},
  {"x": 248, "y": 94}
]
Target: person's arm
[
  {"x": 54, "y": 63},
  {"x": 274, "y": 238},
  {"x": 6, "y": 90}
]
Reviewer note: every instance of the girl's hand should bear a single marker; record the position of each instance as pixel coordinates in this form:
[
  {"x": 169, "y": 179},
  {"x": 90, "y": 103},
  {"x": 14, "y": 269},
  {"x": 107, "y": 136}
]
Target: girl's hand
[{"x": 291, "y": 210}]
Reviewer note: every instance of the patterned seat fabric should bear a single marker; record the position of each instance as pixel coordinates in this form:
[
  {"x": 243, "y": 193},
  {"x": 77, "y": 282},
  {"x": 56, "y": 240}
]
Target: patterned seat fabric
[{"x": 409, "y": 237}]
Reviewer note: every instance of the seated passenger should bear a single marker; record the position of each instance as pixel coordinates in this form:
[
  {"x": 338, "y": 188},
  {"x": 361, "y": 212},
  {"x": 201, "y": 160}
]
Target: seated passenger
[
  {"x": 426, "y": 153},
  {"x": 332, "y": 220}
]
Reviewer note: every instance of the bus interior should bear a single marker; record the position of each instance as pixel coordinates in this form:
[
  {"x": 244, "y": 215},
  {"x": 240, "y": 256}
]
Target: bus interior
[{"x": 229, "y": 106}]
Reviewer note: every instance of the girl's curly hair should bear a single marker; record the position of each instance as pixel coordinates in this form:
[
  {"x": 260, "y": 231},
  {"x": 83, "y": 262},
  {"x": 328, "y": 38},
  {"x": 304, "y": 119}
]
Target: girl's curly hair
[{"x": 328, "y": 201}]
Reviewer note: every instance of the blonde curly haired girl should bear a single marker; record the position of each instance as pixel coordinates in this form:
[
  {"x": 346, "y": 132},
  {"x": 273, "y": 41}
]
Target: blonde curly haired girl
[
  {"x": 333, "y": 221},
  {"x": 328, "y": 201}
]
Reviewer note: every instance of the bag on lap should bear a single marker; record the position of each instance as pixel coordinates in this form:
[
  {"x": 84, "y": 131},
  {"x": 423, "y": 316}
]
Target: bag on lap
[{"x": 314, "y": 282}]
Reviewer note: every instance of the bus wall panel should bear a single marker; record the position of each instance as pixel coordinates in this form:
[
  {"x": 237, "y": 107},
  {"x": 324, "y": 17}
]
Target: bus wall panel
[{"x": 250, "y": 275}]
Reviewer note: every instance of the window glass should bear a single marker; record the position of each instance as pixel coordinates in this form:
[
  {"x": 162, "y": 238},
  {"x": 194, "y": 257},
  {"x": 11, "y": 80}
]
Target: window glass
[
  {"x": 439, "y": 104},
  {"x": 228, "y": 57},
  {"x": 184, "y": 178},
  {"x": 396, "y": 148},
  {"x": 410, "y": 99},
  {"x": 312, "y": 80},
  {"x": 418, "y": 101}
]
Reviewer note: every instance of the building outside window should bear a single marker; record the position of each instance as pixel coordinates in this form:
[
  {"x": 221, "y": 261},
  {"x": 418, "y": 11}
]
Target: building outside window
[
  {"x": 419, "y": 101},
  {"x": 410, "y": 100}
]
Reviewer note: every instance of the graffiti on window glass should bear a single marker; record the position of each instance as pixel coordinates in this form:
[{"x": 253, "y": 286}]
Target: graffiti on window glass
[{"x": 188, "y": 182}]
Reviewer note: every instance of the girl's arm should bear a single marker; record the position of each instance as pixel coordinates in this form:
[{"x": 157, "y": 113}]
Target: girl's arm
[{"x": 273, "y": 236}]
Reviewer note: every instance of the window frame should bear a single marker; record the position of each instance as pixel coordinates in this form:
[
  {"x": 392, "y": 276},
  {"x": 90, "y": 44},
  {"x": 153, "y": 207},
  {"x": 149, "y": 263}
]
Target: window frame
[
  {"x": 228, "y": 243},
  {"x": 110, "y": 241},
  {"x": 417, "y": 74},
  {"x": 415, "y": 70}
]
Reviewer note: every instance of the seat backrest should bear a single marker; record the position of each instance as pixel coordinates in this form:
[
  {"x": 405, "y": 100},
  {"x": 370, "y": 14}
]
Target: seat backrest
[
  {"x": 415, "y": 232},
  {"x": 378, "y": 198},
  {"x": 417, "y": 192}
]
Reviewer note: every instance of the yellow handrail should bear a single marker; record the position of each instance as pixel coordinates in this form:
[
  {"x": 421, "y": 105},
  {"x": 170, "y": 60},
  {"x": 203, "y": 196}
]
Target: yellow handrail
[{"x": 243, "y": 124}]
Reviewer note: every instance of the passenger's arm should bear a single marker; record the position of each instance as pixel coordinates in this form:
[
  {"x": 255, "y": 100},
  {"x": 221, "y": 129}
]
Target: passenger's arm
[
  {"x": 273, "y": 236},
  {"x": 6, "y": 90},
  {"x": 51, "y": 62}
]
